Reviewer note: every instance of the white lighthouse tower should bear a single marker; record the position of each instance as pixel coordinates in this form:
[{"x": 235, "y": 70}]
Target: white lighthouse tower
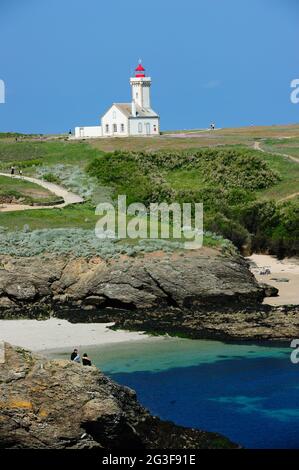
[
  {"x": 140, "y": 85},
  {"x": 128, "y": 119}
]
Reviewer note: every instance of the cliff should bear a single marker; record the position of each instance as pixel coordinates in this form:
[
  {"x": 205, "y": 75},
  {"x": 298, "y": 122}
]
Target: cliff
[
  {"x": 60, "y": 404},
  {"x": 201, "y": 294}
]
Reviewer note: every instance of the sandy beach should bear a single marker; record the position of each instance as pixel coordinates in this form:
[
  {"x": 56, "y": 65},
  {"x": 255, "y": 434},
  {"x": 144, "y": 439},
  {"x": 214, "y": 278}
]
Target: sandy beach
[
  {"x": 55, "y": 333},
  {"x": 284, "y": 275}
]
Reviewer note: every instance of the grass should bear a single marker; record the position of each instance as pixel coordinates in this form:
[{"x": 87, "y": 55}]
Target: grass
[
  {"x": 289, "y": 146},
  {"x": 185, "y": 179},
  {"x": 244, "y": 136},
  {"x": 76, "y": 216},
  {"x": 26, "y": 191},
  {"x": 29, "y": 154},
  {"x": 289, "y": 173}
]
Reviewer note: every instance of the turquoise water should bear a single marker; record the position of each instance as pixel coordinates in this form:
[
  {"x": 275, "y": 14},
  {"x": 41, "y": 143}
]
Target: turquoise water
[{"x": 250, "y": 393}]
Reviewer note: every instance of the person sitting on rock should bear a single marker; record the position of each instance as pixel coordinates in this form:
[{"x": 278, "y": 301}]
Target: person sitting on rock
[
  {"x": 75, "y": 356},
  {"x": 85, "y": 360}
]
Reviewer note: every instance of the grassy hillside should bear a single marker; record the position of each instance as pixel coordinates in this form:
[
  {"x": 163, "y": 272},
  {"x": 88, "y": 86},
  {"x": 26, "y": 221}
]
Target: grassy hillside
[
  {"x": 249, "y": 196},
  {"x": 233, "y": 184},
  {"x": 30, "y": 154},
  {"x": 287, "y": 145}
]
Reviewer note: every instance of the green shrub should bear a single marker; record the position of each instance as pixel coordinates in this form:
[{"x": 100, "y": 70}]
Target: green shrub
[
  {"x": 229, "y": 229},
  {"x": 51, "y": 178}
]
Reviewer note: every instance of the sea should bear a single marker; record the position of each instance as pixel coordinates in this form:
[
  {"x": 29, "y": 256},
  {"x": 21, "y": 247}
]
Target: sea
[{"x": 248, "y": 392}]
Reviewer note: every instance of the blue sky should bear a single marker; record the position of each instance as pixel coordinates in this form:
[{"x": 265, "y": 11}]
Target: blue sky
[{"x": 65, "y": 61}]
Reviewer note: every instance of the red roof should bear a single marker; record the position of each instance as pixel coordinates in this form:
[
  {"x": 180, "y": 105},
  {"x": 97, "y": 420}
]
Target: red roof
[{"x": 139, "y": 68}]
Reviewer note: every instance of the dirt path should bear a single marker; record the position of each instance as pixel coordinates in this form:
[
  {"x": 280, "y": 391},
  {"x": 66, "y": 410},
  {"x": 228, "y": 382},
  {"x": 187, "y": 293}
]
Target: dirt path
[
  {"x": 257, "y": 146},
  {"x": 69, "y": 198}
]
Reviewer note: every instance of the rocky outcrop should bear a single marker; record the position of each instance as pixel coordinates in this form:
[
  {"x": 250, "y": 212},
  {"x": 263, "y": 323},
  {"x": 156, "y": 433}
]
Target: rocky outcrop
[
  {"x": 270, "y": 291},
  {"x": 201, "y": 294},
  {"x": 146, "y": 282},
  {"x": 60, "y": 404},
  {"x": 260, "y": 323}
]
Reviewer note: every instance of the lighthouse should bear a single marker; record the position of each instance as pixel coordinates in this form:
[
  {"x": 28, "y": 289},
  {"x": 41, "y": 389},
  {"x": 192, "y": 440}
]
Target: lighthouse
[
  {"x": 136, "y": 118},
  {"x": 140, "y": 86}
]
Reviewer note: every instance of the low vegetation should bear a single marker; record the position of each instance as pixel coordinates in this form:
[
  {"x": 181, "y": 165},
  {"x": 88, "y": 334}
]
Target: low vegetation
[
  {"x": 83, "y": 242},
  {"x": 249, "y": 197},
  {"x": 230, "y": 182},
  {"x": 72, "y": 177}
]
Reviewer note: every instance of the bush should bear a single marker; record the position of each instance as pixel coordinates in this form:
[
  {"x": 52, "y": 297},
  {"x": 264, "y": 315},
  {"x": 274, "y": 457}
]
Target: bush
[
  {"x": 71, "y": 176},
  {"x": 229, "y": 229},
  {"x": 51, "y": 178}
]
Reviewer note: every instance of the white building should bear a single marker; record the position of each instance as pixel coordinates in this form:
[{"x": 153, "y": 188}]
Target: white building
[{"x": 128, "y": 119}]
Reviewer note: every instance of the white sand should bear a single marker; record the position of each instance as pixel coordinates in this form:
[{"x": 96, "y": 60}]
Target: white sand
[
  {"x": 287, "y": 268},
  {"x": 54, "y": 333}
]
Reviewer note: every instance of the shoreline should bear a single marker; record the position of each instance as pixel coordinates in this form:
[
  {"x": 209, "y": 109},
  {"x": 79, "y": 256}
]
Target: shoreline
[
  {"x": 284, "y": 275},
  {"x": 60, "y": 334},
  {"x": 55, "y": 333}
]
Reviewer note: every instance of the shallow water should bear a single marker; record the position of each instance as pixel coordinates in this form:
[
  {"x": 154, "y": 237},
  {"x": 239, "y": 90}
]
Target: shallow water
[{"x": 247, "y": 392}]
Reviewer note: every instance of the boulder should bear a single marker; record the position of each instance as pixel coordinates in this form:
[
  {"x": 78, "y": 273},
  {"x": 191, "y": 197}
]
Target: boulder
[
  {"x": 58, "y": 404},
  {"x": 270, "y": 291}
]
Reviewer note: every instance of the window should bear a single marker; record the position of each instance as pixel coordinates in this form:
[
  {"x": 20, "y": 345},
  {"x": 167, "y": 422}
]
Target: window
[
  {"x": 155, "y": 128},
  {"x": 114, "y": 114},
  {"x": 122, "y": 128},
  {"x": 114, "y": 127},
  {"x": 140, "y": 127},
  {"x": 107, "y": 128}
]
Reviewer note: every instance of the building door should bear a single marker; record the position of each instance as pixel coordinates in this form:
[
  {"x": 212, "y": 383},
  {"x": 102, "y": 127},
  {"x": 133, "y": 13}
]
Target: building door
[
  {"x": 148, "y": 128},
  {"x": 81, "y": 132}
]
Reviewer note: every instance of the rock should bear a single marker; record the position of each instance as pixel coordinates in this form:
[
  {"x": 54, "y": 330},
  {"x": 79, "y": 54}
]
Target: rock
[
  {"x": 59, "y": 404},
  {"x": 270, "y": 291},
  {"x": 6, "y": 303},
  {"x": 280, "y": 279},
  {"x": 195, "y": 280},
  {"x": 21, "y": 290},
  {"x": 262, "y": 323},
  {"x": 198, "y": 294},
  {"x": 94, "y": 300}
]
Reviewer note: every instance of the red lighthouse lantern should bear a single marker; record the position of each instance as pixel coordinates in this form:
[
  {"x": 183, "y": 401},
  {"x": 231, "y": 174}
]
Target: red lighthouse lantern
[{"x": 139, "y": 71}]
